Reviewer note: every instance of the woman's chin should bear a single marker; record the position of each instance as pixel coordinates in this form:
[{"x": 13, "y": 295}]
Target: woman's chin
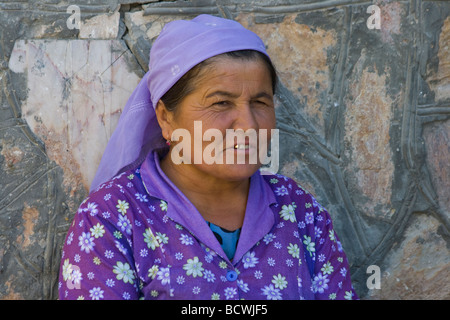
[{"x": 235, "y": 172}]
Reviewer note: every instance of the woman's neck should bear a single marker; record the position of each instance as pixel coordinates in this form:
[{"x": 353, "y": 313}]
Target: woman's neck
[{"x": 221, "y": 202}]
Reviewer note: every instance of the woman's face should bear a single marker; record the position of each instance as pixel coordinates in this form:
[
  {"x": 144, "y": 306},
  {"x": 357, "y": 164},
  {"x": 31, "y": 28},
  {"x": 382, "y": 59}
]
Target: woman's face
[{"x": 233, "y": 96}]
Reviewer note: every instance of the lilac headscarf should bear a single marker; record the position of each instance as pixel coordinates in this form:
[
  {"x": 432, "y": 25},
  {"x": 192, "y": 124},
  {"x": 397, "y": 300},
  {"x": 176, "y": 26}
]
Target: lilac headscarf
[{"x": 180, "y": 46}]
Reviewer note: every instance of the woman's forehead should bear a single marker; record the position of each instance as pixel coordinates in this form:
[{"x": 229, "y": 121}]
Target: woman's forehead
[{"x": 225, "y": 75}]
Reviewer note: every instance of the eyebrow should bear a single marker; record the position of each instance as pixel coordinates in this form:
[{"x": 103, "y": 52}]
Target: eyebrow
[{"x": 234, "y": 96}]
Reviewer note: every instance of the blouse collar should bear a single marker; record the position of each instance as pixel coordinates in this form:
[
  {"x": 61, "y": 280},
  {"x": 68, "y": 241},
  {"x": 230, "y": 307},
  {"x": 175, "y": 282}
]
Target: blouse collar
[{"x": 259, "y": 216}]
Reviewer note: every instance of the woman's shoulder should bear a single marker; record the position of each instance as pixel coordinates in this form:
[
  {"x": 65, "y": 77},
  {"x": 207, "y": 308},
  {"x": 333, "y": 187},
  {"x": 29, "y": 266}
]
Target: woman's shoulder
[
  {"x": 288, "y": 191},
  {"x": 123, "y": 187},
  {"x": 283, "y": 185},
  {"x": 120, "y": 184}
]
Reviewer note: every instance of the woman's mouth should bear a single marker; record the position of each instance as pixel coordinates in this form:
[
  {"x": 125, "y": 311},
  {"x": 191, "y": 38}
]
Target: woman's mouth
[{"x": 241, "y": 146}]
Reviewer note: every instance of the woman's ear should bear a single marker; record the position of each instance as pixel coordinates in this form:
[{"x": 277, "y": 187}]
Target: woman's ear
[{"x": 165, "y": 119}]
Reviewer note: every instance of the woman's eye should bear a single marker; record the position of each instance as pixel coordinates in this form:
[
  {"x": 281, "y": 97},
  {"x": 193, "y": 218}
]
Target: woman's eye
[
  {"x": 260, "y": 103},
  {"x": 222, "y": 103}
]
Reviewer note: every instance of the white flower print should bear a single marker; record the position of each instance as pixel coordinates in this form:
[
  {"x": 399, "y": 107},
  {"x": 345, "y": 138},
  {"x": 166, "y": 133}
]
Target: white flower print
[
  {"x": 320, "y": 283},
  {"x": 86, "y": 242},
  {"x": 162, "y": 238},
  {"x": 126, "y": 296},
  {"x": 109, "y": 254},
  {"x": 310, "y": 245},
  {"x": 106, "y": 214},
  {"x": 67, "y": 270},
  {"x": 97, "y": 231},
  {"x": 164, "y": 275},
  {"x": 281, "y": 191},
  {"x": 186, "y": 240},
  {"x": 215, "y": 296},
  {"x": 348, "y": 295},
  {"x": 317, "y": 231},
  {"x": 124, "y": 272},
  {"x": 327, "y": 268},
  {"x": 141, "y": 197},
  {"x": 209, "y": 276},
  {"x": 120, "y": 247},
  {"x": 299, "y": 282},
  {"x": 309, "y": 218},
  {"x": 331, "y": 235},
  {"x": 76, "y": 277},
  {"x": 279, "y": 281},
  {"x": 150, "y": 239},
  {"x": 178, "y": 256},
  {"x": 153, "y": 271},
  {"x": 321, "y": 257},
  {"x": 230, "y": 293},
  {"x": 250, "y": 260},
  {"x": 96, "y": 293},
  {"x": 122, "y": 206},
  {"x": 288, "y": 212},
  {"x": 163, "y": 205},
  {"x": 271, "y": 292},
  {"x": 243, "y": 286},
  {"x": 294, "y": 250},
  {"x": 70, "y": 238},
  {"x": 110, "y": 283},
  {"x": 124, "y": 224},
  {"x": 193, "y": 267},
  {"x": 268, "y": 238},
  {"x": 91, "y": 208},
  {"x": 180, "y": 280}
]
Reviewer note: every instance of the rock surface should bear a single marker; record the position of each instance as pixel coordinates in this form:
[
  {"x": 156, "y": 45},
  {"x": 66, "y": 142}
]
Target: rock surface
[{"x": 76, "y": 90}]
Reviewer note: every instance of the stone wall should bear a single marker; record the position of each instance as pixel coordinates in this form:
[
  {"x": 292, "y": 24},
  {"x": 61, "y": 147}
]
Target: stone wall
[{"x": 363, "y": 115}]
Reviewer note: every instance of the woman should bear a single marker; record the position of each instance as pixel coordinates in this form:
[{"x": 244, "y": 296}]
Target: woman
[{"x": 158, "y": 225}]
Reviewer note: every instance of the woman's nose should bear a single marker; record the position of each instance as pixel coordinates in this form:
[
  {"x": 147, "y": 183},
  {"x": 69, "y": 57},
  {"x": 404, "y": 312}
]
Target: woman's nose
[{"x": 245, "y": 118}]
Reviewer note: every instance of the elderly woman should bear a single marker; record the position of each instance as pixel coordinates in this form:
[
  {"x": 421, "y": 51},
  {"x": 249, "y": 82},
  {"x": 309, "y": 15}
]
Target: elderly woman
[{"x": 154, "y": 227}]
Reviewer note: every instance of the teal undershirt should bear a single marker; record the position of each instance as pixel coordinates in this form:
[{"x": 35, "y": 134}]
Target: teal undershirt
[{"x": 227, "y": 239}]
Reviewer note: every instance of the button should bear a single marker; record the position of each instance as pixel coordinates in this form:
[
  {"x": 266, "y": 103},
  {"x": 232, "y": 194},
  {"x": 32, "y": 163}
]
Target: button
[{"x": 232, "y": 275}]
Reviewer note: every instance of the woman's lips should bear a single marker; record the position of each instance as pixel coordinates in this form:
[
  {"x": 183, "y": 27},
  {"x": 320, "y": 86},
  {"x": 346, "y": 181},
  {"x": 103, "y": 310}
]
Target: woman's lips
[{"x": 241, "y": 146}]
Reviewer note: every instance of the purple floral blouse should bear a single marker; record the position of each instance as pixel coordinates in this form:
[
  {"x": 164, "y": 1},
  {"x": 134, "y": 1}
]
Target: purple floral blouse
[{"x": 129, "y": 240}]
